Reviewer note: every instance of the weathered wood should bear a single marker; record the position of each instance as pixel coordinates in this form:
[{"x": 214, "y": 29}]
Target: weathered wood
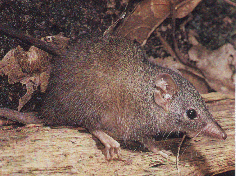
[{"x": 64, "y": 151}]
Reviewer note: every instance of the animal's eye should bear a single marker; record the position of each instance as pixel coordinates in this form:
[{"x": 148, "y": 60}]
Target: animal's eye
[{"x": 191, "y": 113}]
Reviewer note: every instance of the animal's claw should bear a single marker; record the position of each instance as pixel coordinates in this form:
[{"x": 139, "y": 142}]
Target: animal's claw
[{"x": 112, "y": 147}]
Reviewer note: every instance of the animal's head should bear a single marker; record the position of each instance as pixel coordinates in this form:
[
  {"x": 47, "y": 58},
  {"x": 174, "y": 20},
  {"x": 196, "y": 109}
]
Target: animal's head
[{"x": 185, "y": 108}]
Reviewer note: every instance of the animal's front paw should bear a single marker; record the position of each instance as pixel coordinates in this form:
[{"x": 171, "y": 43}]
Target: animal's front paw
[{"x": 112, "y": 147}]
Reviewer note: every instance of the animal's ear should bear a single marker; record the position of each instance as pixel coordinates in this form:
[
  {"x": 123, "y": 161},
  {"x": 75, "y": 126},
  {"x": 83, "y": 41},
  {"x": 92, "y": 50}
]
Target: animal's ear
[{"x": 166, "y": 88}]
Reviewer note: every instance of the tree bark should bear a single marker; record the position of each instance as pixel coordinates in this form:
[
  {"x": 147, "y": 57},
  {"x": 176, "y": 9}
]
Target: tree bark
[{"x": 64, "y": 151}]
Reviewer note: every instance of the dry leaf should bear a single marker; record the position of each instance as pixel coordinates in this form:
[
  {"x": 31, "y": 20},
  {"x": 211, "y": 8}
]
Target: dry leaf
[
  {"x": 34, "y": 60},
  {"x": 9, "y": 66},
  {"x": 185, "y": 7},
  {"x": 32, "y": 83},
  {"x": 149, "y": 14},
  {"x": 44, "y": 79},
  {"x": 32, "y": 67},
  {"x": 218, "y": 66}
]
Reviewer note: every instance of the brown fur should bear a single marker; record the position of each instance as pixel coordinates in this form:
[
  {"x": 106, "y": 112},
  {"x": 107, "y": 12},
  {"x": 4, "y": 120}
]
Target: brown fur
[{"x": 105, "y": 84}]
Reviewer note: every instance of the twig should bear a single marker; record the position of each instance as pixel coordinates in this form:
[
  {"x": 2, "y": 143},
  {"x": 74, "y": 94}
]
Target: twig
[
  {"x": 111, "y": 28},
  {"x": 230, "y": 2},
  {"x": 177, "y": 157},
  {"x": 182, "y": 59},
  {"x": 178, "y": 53},
  {"x": 52, "y": 49},
  {"x": 166, "y": 45}
]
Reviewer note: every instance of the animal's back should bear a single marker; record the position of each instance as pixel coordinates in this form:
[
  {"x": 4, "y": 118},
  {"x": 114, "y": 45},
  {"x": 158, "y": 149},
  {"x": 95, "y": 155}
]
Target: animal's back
[{"x": 99, "y": 85}]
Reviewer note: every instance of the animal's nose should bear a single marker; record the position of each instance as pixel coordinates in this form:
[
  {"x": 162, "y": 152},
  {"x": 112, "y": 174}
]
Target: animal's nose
[{"x": 214, "y": 130}]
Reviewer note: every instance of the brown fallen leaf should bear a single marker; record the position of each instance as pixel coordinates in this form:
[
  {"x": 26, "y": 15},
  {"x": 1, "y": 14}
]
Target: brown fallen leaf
[
  {"x": 44, "y": 79},
  {"x": 34, "y": 60},
  {"x": 31, "y": 67},
  {"x": 149, "y": 14},
  {"x": 10, "y": 66},
  {"x": 32, "y": 83},
  {"x": 218, "y": 66}
]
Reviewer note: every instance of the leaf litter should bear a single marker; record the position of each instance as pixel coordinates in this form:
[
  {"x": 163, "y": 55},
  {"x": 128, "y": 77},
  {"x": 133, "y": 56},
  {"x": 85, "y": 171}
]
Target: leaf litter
[{"x": 31, "y": 68}]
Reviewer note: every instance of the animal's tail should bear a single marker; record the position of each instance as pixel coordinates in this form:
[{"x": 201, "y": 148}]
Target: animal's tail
[{"x": 21, "y": 117}]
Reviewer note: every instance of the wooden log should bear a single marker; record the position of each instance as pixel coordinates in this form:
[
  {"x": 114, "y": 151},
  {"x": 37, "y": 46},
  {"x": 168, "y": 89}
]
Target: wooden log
[{"x": 64, "y": 151}]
